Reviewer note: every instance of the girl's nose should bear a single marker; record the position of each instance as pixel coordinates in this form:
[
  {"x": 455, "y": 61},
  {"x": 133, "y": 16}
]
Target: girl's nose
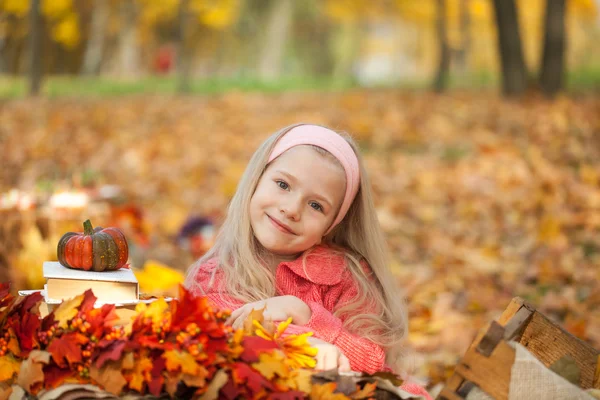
[{"x": 291, "y": 210}]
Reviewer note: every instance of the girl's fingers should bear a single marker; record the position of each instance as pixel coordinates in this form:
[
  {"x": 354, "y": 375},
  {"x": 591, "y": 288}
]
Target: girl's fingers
[
  {"x": 234, "y": 315},
  {"x": 343, "y": 364}
]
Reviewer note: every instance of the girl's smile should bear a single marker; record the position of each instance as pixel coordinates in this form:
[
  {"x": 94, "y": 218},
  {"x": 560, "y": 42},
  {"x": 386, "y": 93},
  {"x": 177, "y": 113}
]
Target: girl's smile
[{"x": 281, "y": 226}]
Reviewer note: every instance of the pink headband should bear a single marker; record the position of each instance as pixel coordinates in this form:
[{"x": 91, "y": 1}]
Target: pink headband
[{"x": 333, "y": 143}]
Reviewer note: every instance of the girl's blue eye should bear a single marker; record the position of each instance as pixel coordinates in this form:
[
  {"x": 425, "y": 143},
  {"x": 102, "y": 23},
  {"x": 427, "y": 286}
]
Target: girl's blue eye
[
  {"x": 282, "y": 185},
  {"x": 316, "y": 206}
]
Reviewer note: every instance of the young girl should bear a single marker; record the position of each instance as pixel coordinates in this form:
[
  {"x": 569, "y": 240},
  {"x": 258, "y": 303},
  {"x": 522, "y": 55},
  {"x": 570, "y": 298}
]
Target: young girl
[{"x": 301, "y": 237}]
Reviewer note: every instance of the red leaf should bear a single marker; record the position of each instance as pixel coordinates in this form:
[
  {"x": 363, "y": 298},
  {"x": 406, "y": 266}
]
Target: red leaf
[
  {"x": 5, "y": 296},
  {"x": 55, "y": 376},
  {"x": 112, "y": 352},
  {"x": 26, "y": 330},
  {"x": 31, "y": 301},
  {"x": 88, "y": 301},
  {"x": 253, "y": 346},
  {"x": 242, "y": 373},
  {"x": 67, "y": 348},
  {"x": 157, "y": 381}
]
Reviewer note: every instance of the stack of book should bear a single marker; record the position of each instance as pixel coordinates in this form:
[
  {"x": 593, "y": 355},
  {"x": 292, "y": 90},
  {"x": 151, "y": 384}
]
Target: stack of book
[{"x": 118, "y": 287}]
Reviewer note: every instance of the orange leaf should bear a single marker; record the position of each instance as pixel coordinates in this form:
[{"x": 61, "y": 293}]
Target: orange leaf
[
  {"x": 141, "y": 370},
  {"x": 326, "y": 392},
  {"x": 366, "y": 392},
  {"x": 9, "y": 366},
  {"x": 65, "y": 348},
  {"x": 32, "y": 369}
]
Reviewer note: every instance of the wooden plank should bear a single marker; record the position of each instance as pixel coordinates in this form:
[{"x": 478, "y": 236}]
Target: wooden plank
[
  {"x": 491, "y": 374},
  {"x": 490, "y": 340},
  {"x": 454, "y": 382},
  {"x": 447, "y": 394},
  {"x": 512, "y": 308},
  {"x": 516, "y": 325},
  {"x": 548, "y": 342}
]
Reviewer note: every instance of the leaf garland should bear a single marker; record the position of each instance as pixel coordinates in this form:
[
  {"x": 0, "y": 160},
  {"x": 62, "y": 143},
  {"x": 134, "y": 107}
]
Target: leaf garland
[{"x": 182, "y": 348}]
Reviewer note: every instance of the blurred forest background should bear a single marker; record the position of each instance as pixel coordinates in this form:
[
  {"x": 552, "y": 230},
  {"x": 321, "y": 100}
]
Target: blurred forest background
[{"x": 479, "y": 121}]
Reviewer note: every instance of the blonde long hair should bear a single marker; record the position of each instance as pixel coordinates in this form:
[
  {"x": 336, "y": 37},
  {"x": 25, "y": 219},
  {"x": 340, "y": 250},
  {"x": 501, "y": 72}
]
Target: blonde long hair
[{"x": 359, "y": 237}]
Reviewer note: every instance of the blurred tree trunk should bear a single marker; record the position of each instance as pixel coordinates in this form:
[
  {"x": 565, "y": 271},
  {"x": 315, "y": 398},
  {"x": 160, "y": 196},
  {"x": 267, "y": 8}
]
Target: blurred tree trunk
[
  {"x": 183, "y": 51},
  {"x": 465, "y": 30},
  {"x": 514, "y": 73},
  {"x": 553, "y": 60},
  {"x": 128, "y": 46},
  {"x": 345, "y": 42},
  {"x": 279, "y": 22},
  {"x": 35, "y": 49},
  {"x": 92, "y": 58},
  {"x": 441, "y": 80}
]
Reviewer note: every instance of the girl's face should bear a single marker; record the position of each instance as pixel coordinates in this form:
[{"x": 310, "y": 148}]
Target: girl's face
[{"x": 296, "y": 200}]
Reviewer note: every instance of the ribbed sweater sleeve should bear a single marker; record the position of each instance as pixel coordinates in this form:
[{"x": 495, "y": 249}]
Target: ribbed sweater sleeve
[{"x": 364, "y": 355}]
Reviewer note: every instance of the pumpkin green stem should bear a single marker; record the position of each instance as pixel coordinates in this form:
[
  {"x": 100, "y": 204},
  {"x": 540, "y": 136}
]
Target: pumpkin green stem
[{"x": 87, "y": 227}]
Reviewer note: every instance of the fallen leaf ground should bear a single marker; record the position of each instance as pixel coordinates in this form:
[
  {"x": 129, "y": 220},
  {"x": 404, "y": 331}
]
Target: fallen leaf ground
[{"x": 482, "y": 199}]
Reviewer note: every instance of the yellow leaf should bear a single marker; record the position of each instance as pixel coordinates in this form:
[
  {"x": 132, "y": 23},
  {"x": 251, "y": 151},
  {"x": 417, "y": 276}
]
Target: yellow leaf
[
  {"x": 255, "y": 315},
  {"x": 303, "y": 380},
  {"x": 67, "y": 311},
  {"x": 9, "y": 366},
  {"x": 177, "y": 359},
  {"x": 141, "y": 371},
  {"x": 271, "y": 364}
]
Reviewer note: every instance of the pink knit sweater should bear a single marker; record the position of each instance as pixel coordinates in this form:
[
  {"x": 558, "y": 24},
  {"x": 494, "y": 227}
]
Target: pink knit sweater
[{"x": 324, "y": 284}]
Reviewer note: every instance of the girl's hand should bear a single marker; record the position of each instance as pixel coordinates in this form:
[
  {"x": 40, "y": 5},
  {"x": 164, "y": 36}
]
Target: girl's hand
[
  {"x": 329, "y": 356},
  {"x": 278, "y": 308}
]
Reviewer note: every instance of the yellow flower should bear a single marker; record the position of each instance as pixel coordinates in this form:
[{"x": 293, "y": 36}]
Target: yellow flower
[{"x": 299, "y": 353}]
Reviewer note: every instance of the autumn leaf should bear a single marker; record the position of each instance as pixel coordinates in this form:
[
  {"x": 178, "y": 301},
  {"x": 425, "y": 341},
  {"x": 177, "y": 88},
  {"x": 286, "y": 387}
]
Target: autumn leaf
[
  {"x": 243, "y": 374},
  {"x": 140, "y": 373},
  {"x": 253, "y": 346},
  {"x": 254, "y": 315},
  {"x": 112, "y": 352},
  {"x": 9, "y": 366},
  {"x": 65, "y": 348},
  {"x": 109, "y": 377},
  {"x": 5, "y": 296},
  {"x": 67, "y": 310},
  {"x": 177, "y": 360},
  {"x": 271, "y": 364},
  {"x": 216, "y": 383},
  {"x": 5, "y": 390},
  {"x": 367, "y": 392},
  {"x": 326, "y": 391},
  {"x": 89, "y": 299},
  {"x": 55, "y": 375},
  {"x": 26, "y": 331},
  {"x": 31, "y": 371}
]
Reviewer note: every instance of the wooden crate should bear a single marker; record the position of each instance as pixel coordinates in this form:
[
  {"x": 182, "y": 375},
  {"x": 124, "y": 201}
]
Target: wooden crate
[{"x": 488, "y": 361}]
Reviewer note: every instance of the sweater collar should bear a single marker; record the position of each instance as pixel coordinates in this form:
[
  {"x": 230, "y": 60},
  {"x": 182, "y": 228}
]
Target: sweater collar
[{"x": 323, "y": 265}]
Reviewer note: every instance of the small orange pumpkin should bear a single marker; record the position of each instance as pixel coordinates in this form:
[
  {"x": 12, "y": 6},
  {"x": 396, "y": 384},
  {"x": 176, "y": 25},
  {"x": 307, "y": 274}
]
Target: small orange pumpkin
[{"x": 93, "y": 250}]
